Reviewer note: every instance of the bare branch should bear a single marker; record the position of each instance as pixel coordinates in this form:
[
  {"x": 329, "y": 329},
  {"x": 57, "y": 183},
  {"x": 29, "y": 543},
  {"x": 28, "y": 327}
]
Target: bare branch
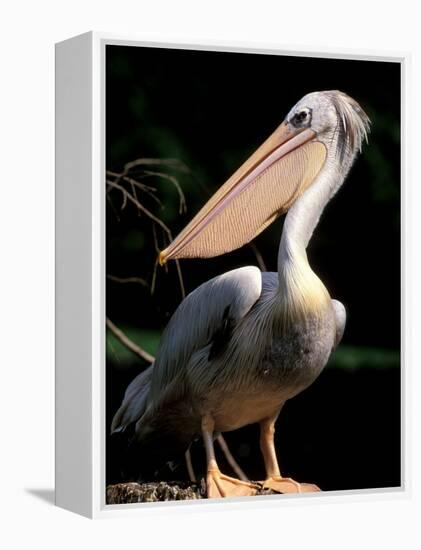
[
  {"x": 189, "y": 465},
  {"x": 258, "y": 256},
  {"x": 118, "y": 333},
  {"x": 173, "y": 180},
  {"x": 150, "y": 191},
  {"x": 123, "y": 206},
  {"x": 230, "y": 459},
  {"x": 180, "y": 279},
  {"x": 138, "y": 170},
  {"x": 113, "y": 208},
  {"x": 141, "y": 207},
  {"x": 153, "y": 282},
  {"x": 123, "y": 280},
  {"x": 172, "y": 163},
  {"x": 124, "y": 175},
  {"x": 155, "y": 240}
]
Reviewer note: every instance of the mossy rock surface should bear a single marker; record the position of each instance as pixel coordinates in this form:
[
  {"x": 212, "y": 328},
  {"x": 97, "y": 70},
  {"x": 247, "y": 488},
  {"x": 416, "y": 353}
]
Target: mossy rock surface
[{"x": 125, "y": 493}]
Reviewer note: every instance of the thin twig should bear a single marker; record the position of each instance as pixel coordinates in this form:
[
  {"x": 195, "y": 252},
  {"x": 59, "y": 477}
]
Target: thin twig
[
  {"x": 123, "y": 206},
  {"x": 123, "y": 280},
  {"x": 258, "y": 256},
  {"x": 133, "y": 186},
  {"x": 118, "y": 333},
  {"x": 141, "y": 207},
  {"x": 231, "y": 460},
  {"x": 155, "y": 240},
  {"x": 172, "y": 163},
  {"x": 189, "y": 465},
  {"x": 113, "y": 207},
  {"x": 150, "y": 191},
  {"x": 118, "y": 176},
  {"x": 180, "y": 279},
  {"x": 153, "y": 282},
  {"x": 173, "y": 180}
]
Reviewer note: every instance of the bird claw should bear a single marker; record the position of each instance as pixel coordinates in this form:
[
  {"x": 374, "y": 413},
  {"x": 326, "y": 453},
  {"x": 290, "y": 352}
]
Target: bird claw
[
  {"x": 220, "y": 485},
  {"x": 288, "y": 485}
]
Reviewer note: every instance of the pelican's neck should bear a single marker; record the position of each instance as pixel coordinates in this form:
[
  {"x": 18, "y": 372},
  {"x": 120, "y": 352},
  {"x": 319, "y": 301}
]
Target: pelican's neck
[
  {"x": 304, "y": 216},
  {"x": 299, "y": 287}
]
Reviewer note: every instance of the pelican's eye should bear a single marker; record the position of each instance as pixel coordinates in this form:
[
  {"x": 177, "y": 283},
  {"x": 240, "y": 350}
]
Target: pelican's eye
[{"x": 301, "y": 118}]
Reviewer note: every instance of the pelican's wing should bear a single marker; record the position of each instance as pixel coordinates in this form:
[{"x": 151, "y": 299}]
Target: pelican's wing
[
  {"x": 198, "y": 322},
  {"x": 134, "y": 401}
]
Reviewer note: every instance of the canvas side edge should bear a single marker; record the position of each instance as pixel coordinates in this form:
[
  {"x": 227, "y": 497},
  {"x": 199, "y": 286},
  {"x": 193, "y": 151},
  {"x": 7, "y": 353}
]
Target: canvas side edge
[{"x": 73, "y": 174}]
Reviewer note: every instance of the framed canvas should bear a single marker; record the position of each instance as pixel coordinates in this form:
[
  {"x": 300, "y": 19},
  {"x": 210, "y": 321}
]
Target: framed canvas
[{"x": 192, "y": 310}]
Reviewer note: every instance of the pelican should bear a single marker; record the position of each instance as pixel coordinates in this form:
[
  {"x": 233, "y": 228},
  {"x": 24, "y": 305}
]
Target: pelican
[{"x": 243, "y": 343}]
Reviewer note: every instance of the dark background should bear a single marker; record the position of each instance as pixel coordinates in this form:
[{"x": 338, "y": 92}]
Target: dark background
[{"x": 209, "y": 111}]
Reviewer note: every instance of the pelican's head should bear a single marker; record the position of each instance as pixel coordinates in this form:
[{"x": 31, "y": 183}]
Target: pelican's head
[
  {"x": 336, "y": 119},
  {"x": 324, "y": 129}
]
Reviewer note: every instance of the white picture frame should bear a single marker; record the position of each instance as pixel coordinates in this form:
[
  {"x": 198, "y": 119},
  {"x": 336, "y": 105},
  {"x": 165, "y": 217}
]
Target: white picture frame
[{"x": 80, "y": 281}]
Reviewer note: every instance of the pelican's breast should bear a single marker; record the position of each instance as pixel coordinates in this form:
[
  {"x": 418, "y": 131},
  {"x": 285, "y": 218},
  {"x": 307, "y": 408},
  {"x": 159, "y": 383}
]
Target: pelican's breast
[{"x": 295, "y": 358}]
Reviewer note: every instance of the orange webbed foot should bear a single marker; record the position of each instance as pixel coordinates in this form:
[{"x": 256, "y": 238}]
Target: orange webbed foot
[
  {"x": 288, "y": 485},
  {"x": 220, "y": 485}
]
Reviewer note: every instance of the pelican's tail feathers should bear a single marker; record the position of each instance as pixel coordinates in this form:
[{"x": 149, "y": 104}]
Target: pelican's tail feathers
[{"x": 134, "y": 402}]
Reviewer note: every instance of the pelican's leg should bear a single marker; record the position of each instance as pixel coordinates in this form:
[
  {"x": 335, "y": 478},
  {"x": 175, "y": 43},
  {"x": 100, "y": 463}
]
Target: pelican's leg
[
  {"x": 218, "y": 484},
  {"x": 274, "y": 479}
]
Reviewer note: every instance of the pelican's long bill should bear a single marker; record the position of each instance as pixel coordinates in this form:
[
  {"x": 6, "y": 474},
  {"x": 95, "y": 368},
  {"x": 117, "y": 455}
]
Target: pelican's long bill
[{"x": 264, "y": 187}]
